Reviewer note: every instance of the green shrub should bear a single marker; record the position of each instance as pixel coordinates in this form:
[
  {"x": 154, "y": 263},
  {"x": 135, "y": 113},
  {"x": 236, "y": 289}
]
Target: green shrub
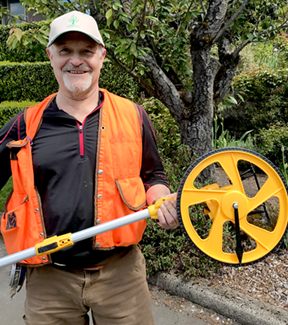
[
  {"x": 5, "y": 191},
  {"x": 9, "y": 109},
  {"x": 271, "y": 140},
  {"x": 35, "y": 81},
  {"x": 118, "y": 82},
  {"x": 265, "y": 94},
  {"x": 34, "y": 52},
  {"x": 223, "y": 139},
  {"x": 271, "y": 54},
  {"x": 170, "y": 249}
]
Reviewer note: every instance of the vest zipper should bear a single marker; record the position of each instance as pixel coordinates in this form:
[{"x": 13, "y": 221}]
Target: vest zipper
[{"x": 81, "y": 138}]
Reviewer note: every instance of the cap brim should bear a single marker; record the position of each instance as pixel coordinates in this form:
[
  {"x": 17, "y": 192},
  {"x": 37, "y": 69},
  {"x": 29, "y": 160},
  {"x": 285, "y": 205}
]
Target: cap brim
[{"x": 74, "y": 30}]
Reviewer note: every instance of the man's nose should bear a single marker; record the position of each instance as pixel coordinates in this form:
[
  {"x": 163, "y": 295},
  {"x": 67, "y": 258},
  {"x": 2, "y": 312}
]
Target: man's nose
[{"x": 76, "y": 60}]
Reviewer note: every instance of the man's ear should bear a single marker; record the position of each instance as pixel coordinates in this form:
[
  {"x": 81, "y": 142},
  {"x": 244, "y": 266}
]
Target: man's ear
[
  {"x": 102, "y": 57},
  {"x": 50, "y": 54}
]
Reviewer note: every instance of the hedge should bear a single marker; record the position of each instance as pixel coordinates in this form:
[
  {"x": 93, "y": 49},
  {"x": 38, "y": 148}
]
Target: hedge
[
  {"x": 38, "y": 54},
  {"x": 26, "y": 81},
  {"x": 9, "y": 109},
  {"x": 35, "y": 81}
]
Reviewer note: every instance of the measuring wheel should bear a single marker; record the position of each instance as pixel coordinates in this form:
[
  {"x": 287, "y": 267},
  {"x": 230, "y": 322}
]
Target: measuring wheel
[{"x": 240, "y": 215}]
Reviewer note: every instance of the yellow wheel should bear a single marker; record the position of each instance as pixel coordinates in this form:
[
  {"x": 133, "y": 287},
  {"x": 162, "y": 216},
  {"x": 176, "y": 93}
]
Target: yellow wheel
[{"x": 207, "y": 211}]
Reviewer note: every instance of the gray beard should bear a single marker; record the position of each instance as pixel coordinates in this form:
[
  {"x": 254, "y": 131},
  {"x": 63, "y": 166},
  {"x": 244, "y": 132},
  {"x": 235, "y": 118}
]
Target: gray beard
[{"x": 76, "y": 88}]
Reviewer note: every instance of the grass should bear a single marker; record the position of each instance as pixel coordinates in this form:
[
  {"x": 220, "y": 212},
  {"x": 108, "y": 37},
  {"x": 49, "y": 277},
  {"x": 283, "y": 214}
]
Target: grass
[{"x": 4, "y": 193}]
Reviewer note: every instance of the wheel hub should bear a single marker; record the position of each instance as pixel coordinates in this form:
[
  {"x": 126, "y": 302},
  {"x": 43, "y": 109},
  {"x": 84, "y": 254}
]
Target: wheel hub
[{"x": 227, "y": 205}]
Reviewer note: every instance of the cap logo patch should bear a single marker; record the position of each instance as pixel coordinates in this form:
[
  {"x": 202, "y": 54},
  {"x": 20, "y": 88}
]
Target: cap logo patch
[{"x": 73, "y": 21}]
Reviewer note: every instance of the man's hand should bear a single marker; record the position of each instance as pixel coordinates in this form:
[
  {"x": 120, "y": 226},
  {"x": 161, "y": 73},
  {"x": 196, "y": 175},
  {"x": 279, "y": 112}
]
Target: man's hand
[{"x": 167, "y": 213}]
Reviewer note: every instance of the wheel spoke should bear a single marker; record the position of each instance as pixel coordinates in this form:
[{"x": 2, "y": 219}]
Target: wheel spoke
[
  {"x": 194, "y": 196},
  {"x": 229, "y": 164},
  {"x": 269, "y": 189},
  {"x": 261, "y": 236},
  {"x": 214, "y": 240}
]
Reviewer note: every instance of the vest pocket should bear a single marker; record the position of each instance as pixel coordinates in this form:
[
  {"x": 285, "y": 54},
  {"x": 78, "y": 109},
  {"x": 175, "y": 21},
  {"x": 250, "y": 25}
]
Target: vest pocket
[
  {"x": 13, "y": 228},
  {"x": 132, "y": 192},
  {"x": 126, "y": 157}
]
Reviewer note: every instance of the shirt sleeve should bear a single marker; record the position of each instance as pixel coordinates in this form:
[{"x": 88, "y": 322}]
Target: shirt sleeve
[
  {"x": 12, "y": 130},
  {"x": 152, "y": 171}
]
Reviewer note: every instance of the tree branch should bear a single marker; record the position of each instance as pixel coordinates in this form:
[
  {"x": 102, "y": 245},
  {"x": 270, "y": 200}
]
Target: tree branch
[
  {"x": 203, "y": 7},
  {"x": 143, "y": 84},
  {"x": 240, "y": 48},
  {"x": 92, "y": 7},
  {"x": 236, "y": 14}
]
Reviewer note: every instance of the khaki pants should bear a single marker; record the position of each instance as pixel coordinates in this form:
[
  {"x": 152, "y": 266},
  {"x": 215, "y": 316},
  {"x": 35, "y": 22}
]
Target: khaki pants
[{"x": 117, "y": 294}]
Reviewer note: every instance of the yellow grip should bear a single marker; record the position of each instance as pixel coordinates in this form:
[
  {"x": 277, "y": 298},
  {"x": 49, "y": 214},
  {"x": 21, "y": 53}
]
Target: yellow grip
[
  {"x": 153, "y": 208},
  {"x": 53, "y": 244}
]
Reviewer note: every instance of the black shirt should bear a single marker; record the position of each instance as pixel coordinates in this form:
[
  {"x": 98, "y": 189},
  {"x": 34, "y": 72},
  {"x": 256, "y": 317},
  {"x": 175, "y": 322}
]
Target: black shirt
[{"x": 64, "y": 161}]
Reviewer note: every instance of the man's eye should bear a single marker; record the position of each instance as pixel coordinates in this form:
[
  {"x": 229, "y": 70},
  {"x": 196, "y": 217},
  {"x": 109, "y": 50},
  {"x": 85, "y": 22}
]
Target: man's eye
[{"x": 64, "y": 50}]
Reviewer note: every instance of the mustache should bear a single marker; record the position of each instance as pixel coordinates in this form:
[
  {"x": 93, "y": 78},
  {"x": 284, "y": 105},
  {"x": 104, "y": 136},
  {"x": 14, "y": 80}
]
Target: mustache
[{"x": 71, "y": 66}]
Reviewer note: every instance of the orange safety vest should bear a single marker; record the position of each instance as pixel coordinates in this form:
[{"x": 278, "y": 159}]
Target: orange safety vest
[{"x": 119, "y": 189}]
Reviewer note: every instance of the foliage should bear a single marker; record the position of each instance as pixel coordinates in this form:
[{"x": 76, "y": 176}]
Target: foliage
[
  {"x": 35, "y": 81},
  {"x": 5, "y": 191},
  {"x": 271, "y": 140},
  {"x": 34, "y": 52},
  {"x": 9, "y": 109},
  {"x": 271, "y": 54},
  {"x": 284, "y": 166},
  {"x": 265, "y": 94},
  {"x": 118, "y": 82},
  {"x": 129, "y": 28},
  {"x": 168, "y": 249},
  {"x": 247, "y": 60},
  {"x": 223, "y": 139}
]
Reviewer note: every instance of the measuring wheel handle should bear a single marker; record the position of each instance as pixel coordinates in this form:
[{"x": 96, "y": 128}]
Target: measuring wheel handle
[{"x": 221, "y": 204}]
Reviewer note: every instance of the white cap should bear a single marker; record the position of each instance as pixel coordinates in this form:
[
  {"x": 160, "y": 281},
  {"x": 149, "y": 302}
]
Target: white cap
[{"x": 75, "y": 21}]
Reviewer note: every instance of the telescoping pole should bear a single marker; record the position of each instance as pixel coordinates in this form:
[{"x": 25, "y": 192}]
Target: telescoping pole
[{"x": 54, "y": 244}]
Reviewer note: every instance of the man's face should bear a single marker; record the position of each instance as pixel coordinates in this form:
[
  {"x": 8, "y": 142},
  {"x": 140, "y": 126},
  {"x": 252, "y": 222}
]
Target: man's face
[{"x": 77, "y": 60}]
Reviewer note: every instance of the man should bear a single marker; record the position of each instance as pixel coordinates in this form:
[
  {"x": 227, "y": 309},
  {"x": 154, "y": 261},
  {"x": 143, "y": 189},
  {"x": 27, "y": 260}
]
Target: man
[{"x": 94, "y": 159}]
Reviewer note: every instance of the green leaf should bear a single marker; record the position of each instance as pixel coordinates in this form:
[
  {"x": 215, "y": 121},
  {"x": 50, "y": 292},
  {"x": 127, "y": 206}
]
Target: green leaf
[
  {"x": 109, "y": 21},
  {"x": 130, "y": 59},
  {"x": 241, "y": 97},
  {"x": 41, "y": 39},
  {"x": 18, "y": 33},
  {"x": 116, "y": 23},
  {"x": 152, "y": 18},
  {"x": 10, "y": 39},
  {"x": 109, "y": 14},
  {"x": 133, "y": 49},
  {"x": 134, "y": 4},
  {"x": 250, "y": 37},
  {"x": 232, "y": 100},
  {"x": 14, "y": 43}
]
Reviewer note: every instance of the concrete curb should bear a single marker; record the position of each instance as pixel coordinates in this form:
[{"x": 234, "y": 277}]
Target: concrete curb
[{"x": 244, "y": 309}]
